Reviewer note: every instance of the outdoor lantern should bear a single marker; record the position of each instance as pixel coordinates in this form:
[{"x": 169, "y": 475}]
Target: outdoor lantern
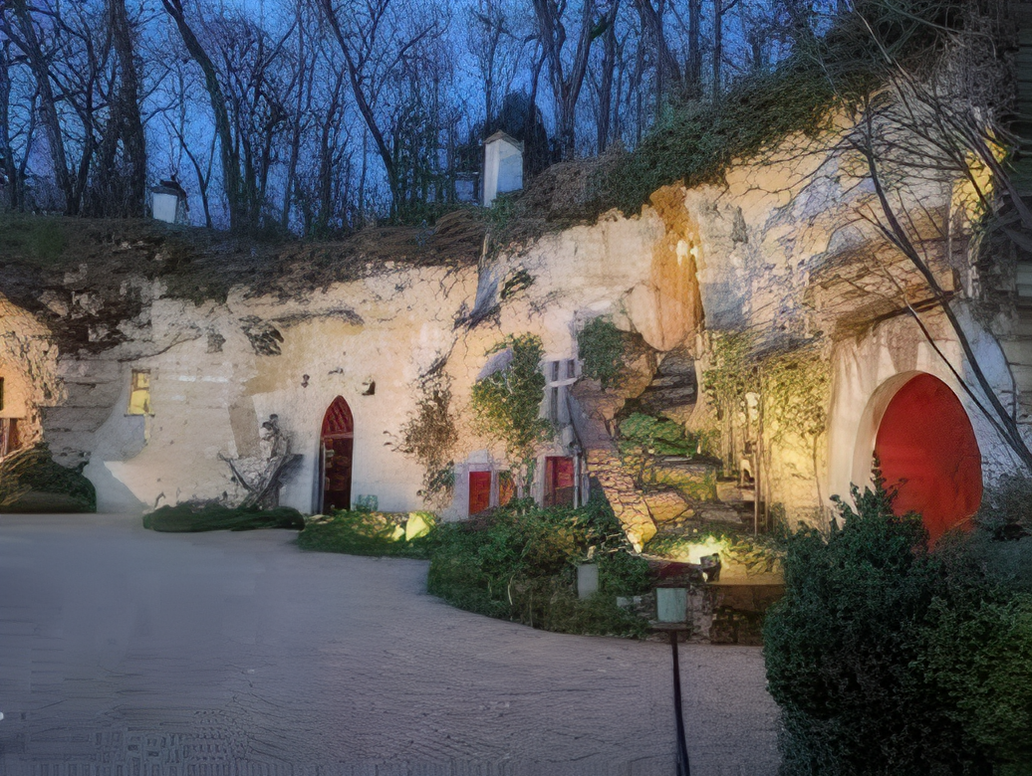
[
  {"x": 587, "y": 580},
  {"x": 671, "y": 604},
  {"x": 672, "y": 615}
]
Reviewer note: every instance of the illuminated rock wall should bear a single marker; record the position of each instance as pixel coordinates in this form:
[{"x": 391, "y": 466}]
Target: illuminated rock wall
[{"x": 777, "y": 250}]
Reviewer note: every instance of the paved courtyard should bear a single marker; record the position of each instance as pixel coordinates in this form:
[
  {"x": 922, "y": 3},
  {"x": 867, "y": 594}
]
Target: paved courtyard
[{"x": 126, "y": 652}]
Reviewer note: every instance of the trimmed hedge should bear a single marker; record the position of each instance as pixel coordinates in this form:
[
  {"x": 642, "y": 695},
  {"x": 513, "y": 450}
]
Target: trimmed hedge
[{"x": 192, "y": 518}]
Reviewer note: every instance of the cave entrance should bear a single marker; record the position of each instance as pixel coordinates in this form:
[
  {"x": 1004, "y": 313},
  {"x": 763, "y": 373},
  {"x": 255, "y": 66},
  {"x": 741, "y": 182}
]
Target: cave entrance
[
  {"x": 926, "y": 447},
  {"x": 335, "y": 451}
]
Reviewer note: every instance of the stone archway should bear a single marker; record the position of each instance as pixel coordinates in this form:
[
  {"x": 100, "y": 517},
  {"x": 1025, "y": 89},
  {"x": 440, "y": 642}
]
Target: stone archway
[
  {"x": 336, "y": 448},
  {"x": 926, "y": 447}
]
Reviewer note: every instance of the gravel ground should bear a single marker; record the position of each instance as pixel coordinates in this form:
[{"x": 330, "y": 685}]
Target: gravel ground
[{"x": 127, "y": 652}]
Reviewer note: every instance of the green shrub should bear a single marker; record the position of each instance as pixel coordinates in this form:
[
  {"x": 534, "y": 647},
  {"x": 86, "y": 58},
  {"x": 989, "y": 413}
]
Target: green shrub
[
  {"x": 658, "y": 435},
  {"x": 600, "y": 347},
  {"x": 759, "y": 553},
  {"x": 31, "y": 481},
  {"x": 192, "y": 517},
  {"x": 887, "y": 659},
  {"x": 520, "y": 564},
  {"x": 361, "y": 532}
]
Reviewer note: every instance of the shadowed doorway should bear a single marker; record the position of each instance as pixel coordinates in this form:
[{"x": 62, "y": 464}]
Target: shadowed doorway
[{"x": 335, "y": 452}]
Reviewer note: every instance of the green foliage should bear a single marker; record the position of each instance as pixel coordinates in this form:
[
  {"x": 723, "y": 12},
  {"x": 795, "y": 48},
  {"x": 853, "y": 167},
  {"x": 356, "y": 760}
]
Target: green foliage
[
  {"x": 644, "y": 437},
  {"x": 191, "y": 517},
  {"x": 731, "y": 374},
  {"x": 429, "y": 436},
  {"x": 760, "y": 554},
  {"x": 697, "y": 142},
  {"x": 362, "y": 533},
  {"x": 661, "y": 436},
  {"x": 504, "y": 209},
  {"x": 888, "y": 659},
  {"x": 41, "y": 239},
  {"x": 520, "y": 564},
  {"x": 516, "y": 282},
  {"x": 506, "y": 403},
  {"x": 600, "y": 346},
  {"x": 1006, "y": 510},
  {"x": 31, "y": 481},
  {"x": 796, "y": 388}
]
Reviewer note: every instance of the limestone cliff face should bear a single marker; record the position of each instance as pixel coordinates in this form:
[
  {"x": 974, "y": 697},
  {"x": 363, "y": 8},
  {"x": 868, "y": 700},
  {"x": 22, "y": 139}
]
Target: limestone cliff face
[{"x": 779, "y": 250}]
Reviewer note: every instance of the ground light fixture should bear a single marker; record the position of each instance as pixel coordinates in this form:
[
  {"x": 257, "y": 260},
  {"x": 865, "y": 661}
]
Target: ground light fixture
[{"x": 671, "y": 618}]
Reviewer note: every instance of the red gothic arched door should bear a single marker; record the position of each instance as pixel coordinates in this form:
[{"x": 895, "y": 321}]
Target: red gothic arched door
[{"x": 336, "y": 449}]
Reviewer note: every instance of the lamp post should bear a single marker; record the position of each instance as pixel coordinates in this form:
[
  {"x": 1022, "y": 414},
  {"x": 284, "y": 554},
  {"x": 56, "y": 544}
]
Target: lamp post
[{"x": 671, "y": 610}]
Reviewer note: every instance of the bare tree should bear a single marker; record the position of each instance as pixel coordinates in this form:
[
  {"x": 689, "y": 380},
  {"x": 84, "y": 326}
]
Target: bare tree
[
  {"x": 21, "y": 29},
  {"x": 653, "y": 30},
  {"x": 720, "y": 7},
  {"x": 232, "y": 182},
  {"x": 603, "y": 87},
  {"x": 376, "y": 38},
  {"x": 937, "y": 129},
  {"x": 497, "y": 44},
  {"x": 566, "y": 68},
  {"x": 120, "y": 179}
]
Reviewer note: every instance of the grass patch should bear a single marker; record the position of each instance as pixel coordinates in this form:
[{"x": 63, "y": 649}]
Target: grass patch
[
  {"x": 192, "y": 518},
  {"x": 520, "y": 564},
  {"x": 368, "y": 533}
]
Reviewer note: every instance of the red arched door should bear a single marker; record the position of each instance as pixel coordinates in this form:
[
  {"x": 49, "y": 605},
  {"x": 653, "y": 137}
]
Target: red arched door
[
  {"x": 336, "y": 448},
  {"x": 927, "y": 448}
]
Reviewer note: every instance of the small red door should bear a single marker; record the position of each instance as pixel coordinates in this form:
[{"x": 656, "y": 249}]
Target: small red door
[
  {"x": 479, "y": 491},
  {"x": 337, "y": 439},
  {"x": 558, "y": 481}
]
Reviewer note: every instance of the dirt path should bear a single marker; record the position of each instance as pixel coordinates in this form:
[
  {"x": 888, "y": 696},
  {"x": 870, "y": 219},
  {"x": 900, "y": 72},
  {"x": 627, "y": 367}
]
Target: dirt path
[{"x": 126, "y": 652}]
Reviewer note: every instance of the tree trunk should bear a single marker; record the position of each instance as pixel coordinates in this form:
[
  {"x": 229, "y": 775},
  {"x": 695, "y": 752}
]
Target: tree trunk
[
  {"x": 10, "y": 169},
  {"x": 694, "y": 79},
  {"x": 120, "y": 191},
  {"x": 605, "y": 92},
  {"x": 364, "y": 107},
  {"x": 668, "y": 72},
  {"x": 47, "y": 105},
  {"x": 231, "y": 180},
  {"x": 718, "y": 45}
]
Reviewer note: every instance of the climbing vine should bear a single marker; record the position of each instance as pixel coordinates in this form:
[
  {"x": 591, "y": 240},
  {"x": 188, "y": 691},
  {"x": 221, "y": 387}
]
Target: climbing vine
[
  {"x": 795, "y": 388},
  {"x": 731, "y": 373},
  {"x": 600, "y": 347},
  {"x": 429, "y": 436},
  {"x": 506, "y": 403}
]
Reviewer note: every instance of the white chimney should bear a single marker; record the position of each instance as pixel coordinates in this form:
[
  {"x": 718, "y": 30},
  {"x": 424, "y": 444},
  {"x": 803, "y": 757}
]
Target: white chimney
[
  {"x": 168, "y": 202},
  {"x": 503, "y": 166}
]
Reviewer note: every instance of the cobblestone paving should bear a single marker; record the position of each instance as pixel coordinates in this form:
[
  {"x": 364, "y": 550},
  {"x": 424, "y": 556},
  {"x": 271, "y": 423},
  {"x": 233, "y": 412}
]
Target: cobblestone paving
[{"x": 129, "y": 653}]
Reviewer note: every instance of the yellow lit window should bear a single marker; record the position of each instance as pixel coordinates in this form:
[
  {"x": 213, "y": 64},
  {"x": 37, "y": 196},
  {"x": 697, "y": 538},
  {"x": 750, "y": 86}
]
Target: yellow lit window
[{"x": 139, "y": 398}]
